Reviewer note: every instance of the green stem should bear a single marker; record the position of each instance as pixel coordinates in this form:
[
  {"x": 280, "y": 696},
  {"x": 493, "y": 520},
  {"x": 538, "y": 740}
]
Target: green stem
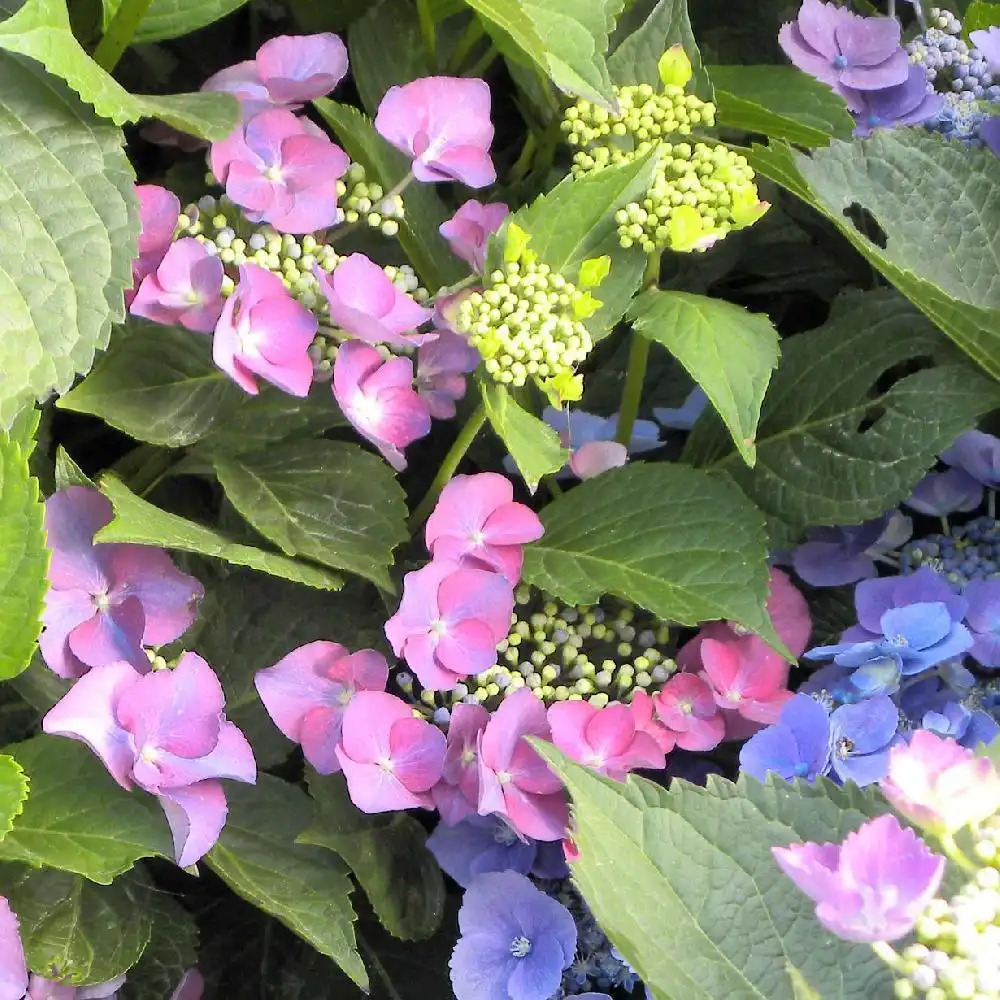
[
  {"x": 465, "y": 44},
  {"x": 428, "y": 30},
  {"x": 888, "y": 954},
  {"x": 955, "y": 853},
  {"x": 638, "y": 358},
  {"x": 151, "y": 472},
  {"x": 380, "y": 969},
  {"x": 451, "y": 461},
  {"x": 120, "y": 33},
  {"x": 482, "y": 64},
  {"x": 520, "y": 169}
]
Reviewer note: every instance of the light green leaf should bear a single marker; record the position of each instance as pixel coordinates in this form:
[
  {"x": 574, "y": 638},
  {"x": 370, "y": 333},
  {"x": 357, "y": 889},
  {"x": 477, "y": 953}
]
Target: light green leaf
[
  {"x": 575, "y": 222},
  {"x": 637, "y": 59},
  {"x": 781, "y": 102},
  {"x": 980, "y": 15},
  {"x": 913, "y": 182},
  {"x": 172, "y": 950},
  {"x": 41, "y": 30},
  {"x": 387, "y": 854},
  {"x": 67, "y": 234},
  {"x": 159, "y": 384},
  {"x": 532, "y": 443},
  {"x": 24, "y": 560},
  {"x": 75, "y": 931},
  {"x": 324, "y": 500},
  {"x": 173, "y": 18},
  {"x": 425, "y": 211},
  {"x": 24, "y": 429},
  {"x": 728, "y": 351},
  {"x": 685, "y": 545},
  {"x": 698, "y": 861},
  {"x": 142, "y": 523},
  {"x": 68, "y": 473},
  {"x": 13, "y": 792},
  {"x": 304, "y": 887},
  {"x": 77, "y": 818},
  {"x": 565, "y": 38},
  {"x": 837, "y": 444}
]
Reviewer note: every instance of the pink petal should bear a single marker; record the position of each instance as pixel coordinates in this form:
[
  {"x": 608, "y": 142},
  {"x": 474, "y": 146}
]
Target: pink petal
[
  {"x": 231, "y": 757},
  {"x": 595, "y": 457},
  {"x": 13, "y": 969},
  {"x": 466, "y": 503},
  {"x": 543, "y": 817},
  {"x": 374, "y": 789},
  {"x": 72, "y": 517},
  {"x": 112, "y": 634},
  {"x": 519, "y": 714},
  {"x": 468, "y": 647},
  {"x": 319, "y": 735},
  {"x": 196, "y": 816},
  {"x": 367, "y": 724},
  {"x": 299, "y": 68},
  {"x": 64, "y": 611},
  {"x": 417, "y": 751}
]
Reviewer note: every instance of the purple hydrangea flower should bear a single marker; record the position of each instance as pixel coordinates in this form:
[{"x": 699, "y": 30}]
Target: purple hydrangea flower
[
  {"x": 832, "y": 557},
  {"x": 861, "y": 736},
  {"x": 983, "y": 618},
  {"x": 683, "y": 417},
  {"x": 873, "y": 598},
  {"x": 442, "y": 365},
  {"x": 987, "y": 40},
  {"x": 873, "y": 887},
  {"x": 978, "y": 454},
  {"x": 515, "y": 941},
  {"x": 797, "y": 746},
  {"x": 13, "y": 970},
  {"x": 843, "y": 49},
  {"x": 40, "y": 988},
  {"x": 941, "y": 493},
  {"x": 481, "y": 844},
  {"x": 908, "y": 103}
]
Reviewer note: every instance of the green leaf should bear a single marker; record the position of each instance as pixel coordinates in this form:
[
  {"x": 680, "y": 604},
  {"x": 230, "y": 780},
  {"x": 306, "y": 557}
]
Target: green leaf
[
  {"x": 698, "y": 860},
  {"x": 913, "y": 183},
  {"x": 173, "y": 18},
  {"x": 728, "y": 351},
  {"x": 24, "y": 429},
  {"x": 637, "y": 59},
  {"x": 304, "y": 887},
  {"x": 141, "y": 523},
  {"x": 24, "y": 560},
  {"x": 575, "y": 222},
  {"x": 41, "y": 30},
  {"x": 565, "y": 38},
  {"x": 532, "y": 443},
  {"x": 682, "y": 544},
  {"x": 388, "y": 855},
  {"x": 73, "y": 930},
  {"x": 781, "y": 102},
  {"x": 68, "y": 473},
  {"x": 980, "y": 15},
  {"x": 13, "y": 792},
  {"x": 77, "y": 818},
  {"x": 159, "y": 384},
  {"x": 324, "y": 500},
  {"x": 425, "y": 211},
  {"x": 801, "y": 990},
  {"x": 67, "y": 234},
  {"x": 172, "y": 950},
  {"x": 837, "y": 444}
]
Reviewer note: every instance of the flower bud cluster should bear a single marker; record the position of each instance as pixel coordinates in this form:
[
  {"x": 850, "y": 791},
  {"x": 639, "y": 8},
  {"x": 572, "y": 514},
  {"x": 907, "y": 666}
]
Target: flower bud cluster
[
  {"x": 527, "y": 323},
  {"x": 970, "y": 552},
  {"x": 363, "y": 200},
  {"x": 957, "y": 954},
  {"x": 950, "y": 64},
  {"x": 598, "y": 653},
  {"x": 700, "y": 190}
]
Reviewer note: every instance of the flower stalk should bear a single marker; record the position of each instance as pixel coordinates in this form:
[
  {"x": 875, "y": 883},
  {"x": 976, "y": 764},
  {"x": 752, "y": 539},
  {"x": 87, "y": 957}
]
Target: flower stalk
[{"x": 120, "y": 33}]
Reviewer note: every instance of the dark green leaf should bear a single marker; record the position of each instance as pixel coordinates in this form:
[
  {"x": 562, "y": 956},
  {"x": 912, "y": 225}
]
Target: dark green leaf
[
  {"x": 172, "y": 950},
  {"x": 305, "y": 887},
  {"x": 173, "y": 18}
]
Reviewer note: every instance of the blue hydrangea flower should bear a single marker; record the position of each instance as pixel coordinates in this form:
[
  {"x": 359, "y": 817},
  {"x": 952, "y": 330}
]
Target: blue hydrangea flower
[
  {"x": 683, "y": 418},
  {"x": 978, "y": 454},
  {"x": 480, "y": 844},
  {"x": 861, "y": 736},
  {"x": 941, "y": 493},
  {"x": 515, "y": 941},
  {"x": 911, "y": 102},
  {"x": 797, "y": 746}
]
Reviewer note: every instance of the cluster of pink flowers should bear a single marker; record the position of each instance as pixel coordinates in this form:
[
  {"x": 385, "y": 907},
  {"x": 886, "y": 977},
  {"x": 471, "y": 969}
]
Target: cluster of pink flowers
[
  {"x": 164, "y": 731},
  {"x": 17, "y": 984}
]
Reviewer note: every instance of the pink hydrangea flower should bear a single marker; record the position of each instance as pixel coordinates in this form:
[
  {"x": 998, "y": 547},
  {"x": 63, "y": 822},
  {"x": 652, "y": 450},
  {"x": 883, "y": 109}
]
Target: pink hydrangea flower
[
  {"x": 477, "y": 522},
  {"x": 263, "y": 331},
  {"x": 191, "y": 986},
  {"x": 159, "y": 210},
  {"x": 390, "y": 758},
  {"x": 442, "y": 365},
  {"x": 167, "y": 733},
  {"x": 595, "y": 457},
  {"x": 185, "y": 288},
  {"x": 753, "y": 688},
  {"x": 13, "y": 968},
  {"x": 514, "y": 782},
  {"x": 364, "y": 302},
  {"x": 940, "y": 785},
  {"x": 449, "y": 622},
  {"x": 607, "y": 739},
  {"x": 307, "y": 692},
  {"x": 443, "y": 123},
  {"x": 40, "y": 988},
  {"x": 873, "y": 887},
  {"x": 287, "y": 71},
  {"x": 470, "y": 228},
  {"x": 106, "y": 600},
  {"x": 379, "y": 400},
  {"x": 686, "y": 706},
  {"x": 282, "y": 170},
  {"x": 456, "y": 795}
]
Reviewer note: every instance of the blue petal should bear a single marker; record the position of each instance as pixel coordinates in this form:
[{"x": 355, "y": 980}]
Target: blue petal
[
  {"x": 921, "y": 625},
  {"x": 958, "y": 640},
  {"x": 877, "y": 677},
  {"x": 862, "y": 770},
  {"x": 869, "y": 725}
]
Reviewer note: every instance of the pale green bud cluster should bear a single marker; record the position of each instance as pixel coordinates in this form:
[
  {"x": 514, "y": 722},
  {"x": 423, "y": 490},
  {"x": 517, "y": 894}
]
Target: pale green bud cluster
[
  {"x": 323, "y": 352},
  {"x": 363, "y": 200},
  {"x": 700, "y": 191},
  {"x": 598, "y": 653}
]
